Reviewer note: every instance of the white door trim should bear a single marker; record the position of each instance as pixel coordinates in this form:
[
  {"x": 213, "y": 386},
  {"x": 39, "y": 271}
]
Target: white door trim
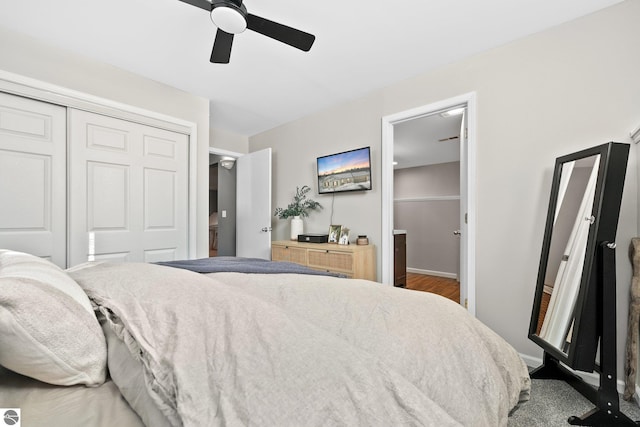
[
  {"x": 388, "y": 122},
  {"x": 43, "y": 91},
  {"x": 221, "y": 152}
]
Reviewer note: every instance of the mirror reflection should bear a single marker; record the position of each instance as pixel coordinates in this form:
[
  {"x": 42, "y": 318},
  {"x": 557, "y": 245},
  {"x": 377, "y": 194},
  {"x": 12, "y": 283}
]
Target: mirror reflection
[{"x": 567, "y": 250}]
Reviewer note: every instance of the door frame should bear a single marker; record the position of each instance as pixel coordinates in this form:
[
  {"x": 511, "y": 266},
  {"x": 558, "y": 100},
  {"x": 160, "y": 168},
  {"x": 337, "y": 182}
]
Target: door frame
[
  {"x": 467, "y": 100},
  {"x": 221, "y": 152}
]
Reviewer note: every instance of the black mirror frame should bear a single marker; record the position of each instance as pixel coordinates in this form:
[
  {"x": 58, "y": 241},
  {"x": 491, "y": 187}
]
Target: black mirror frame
[{"x": 581, "y": 354}]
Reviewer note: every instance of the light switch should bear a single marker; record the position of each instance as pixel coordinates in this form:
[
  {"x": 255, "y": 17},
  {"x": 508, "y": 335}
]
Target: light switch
[{"x": 224, "y": 213}]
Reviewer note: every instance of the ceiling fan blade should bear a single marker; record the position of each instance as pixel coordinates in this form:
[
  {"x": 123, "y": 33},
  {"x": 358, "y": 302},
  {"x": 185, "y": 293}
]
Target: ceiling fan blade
[
  {"x": 291, "y": 36},
  {"x": 202, "y": 4},
  {"x": 222, "y": 48}
]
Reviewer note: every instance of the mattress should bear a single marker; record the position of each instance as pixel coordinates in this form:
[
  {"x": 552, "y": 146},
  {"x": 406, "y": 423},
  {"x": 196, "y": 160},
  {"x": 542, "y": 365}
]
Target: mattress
[{"x": 50, "y": 405}]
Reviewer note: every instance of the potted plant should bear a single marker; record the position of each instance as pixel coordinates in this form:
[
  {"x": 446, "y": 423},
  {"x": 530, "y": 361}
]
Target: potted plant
[{"x": 297, "y": 210}]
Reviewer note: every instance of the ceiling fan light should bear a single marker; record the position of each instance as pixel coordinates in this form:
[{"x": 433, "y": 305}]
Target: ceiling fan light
[{"x": 228, "y": 19}]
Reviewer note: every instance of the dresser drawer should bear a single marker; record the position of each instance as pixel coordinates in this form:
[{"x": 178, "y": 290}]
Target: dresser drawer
[
  {"x": 287, "y": 253},
  {"x": 330, "y": 260},
  {"x": 352, "y": 261}
]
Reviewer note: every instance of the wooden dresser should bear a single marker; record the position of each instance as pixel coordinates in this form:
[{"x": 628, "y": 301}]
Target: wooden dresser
[{"x": 354, "y": 261}]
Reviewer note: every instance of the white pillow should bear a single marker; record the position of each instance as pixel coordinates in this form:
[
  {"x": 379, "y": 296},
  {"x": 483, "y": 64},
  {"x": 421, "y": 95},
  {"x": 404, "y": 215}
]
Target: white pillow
[{"x": 48, "y": 330}]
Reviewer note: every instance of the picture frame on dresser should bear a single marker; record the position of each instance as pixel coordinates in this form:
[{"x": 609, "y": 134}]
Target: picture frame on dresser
[
  {"x": 344, "y": 236},
  {"x": 334, "y": 233}
]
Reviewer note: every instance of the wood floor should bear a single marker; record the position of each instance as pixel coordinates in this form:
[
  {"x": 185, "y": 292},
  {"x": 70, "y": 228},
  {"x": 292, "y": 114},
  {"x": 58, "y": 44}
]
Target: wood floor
[{"x": 448, "y": 288}]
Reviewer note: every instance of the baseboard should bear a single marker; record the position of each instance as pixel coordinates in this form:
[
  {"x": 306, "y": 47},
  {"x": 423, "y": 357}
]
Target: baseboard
[
  {"x": 590, "y": 378},
  {"x": 531, "y": 361},
  {"x": 432, "y": 273}
]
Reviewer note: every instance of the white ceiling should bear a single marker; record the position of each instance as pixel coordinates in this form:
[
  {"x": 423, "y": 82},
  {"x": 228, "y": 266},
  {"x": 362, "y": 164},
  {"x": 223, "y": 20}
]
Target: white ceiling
[
  {"x": 426, "y": 140},
  {"x": 361, "y": 45}
]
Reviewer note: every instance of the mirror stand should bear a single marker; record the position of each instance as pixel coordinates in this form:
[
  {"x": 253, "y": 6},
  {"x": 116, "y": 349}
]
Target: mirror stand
[{"x": 606, "y": 398}]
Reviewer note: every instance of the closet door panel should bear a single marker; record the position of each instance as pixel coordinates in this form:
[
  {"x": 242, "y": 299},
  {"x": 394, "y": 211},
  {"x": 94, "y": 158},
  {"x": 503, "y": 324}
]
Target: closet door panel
[
  {"x": 165, "y": 195},
  {"x": 30, "y": 207},
  {"x": 130, "y": 189},
  {"x": 160, "y": 199},
  {"x": 108, "y": 197},
  {"x": 33, "y": 177},
  {"x": 101, "y": 155}
]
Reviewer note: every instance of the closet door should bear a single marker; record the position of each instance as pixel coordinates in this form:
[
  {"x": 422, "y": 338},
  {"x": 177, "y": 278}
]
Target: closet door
[
  {"x": 128, "y": 196},
  {"x": 33, "y": 177}
]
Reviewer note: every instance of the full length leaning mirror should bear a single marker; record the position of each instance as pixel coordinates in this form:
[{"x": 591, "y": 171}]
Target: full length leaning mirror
[
  {"x": 583, "y": 211},
  {"x": 574, "y": 309}
]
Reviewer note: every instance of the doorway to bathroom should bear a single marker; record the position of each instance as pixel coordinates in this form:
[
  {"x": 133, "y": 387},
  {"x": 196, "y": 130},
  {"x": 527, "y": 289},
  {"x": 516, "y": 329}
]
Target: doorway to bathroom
[{"x": 462, "y": 233}]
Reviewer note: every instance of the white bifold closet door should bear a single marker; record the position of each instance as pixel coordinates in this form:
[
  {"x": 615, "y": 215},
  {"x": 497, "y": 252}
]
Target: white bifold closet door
[
  {"x": 128, "y": 191},
  {"x": 33, "y": 178}
]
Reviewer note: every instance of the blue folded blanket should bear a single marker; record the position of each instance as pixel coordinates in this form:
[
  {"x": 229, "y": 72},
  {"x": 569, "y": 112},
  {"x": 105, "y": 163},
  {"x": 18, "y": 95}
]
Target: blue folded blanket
[{"x": 229, "y": 264}]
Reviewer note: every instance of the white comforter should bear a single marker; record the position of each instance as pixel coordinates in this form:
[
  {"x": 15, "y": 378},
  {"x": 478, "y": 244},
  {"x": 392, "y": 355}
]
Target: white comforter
[{"x": 289, "y": 350}]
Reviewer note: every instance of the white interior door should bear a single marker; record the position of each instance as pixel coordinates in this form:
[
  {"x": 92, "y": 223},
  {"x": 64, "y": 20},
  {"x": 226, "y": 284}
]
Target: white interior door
[
  {"x": 129, "y": 191},
  {"x": 253, "y": 205},
  {"x": 33, "y": 177}
]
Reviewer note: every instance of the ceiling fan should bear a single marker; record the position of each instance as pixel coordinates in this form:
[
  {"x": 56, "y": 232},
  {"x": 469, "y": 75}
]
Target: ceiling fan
[{"x": 231, "y": 17}]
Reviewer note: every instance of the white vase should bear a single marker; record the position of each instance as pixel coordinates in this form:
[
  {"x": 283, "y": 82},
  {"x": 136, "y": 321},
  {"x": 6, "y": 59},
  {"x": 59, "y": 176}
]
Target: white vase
[{"x": 297, "y": 227}]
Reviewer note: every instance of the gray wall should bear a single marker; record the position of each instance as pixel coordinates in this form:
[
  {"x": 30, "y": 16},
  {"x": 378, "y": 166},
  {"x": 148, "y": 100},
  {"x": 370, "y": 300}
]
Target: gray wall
[
  {"x": 553, "y": 93},
  {"x": 429, "y": 219}
]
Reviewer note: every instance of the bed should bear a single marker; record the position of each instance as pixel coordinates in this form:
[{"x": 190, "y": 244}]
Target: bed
[{"x": 134, "y": 344}]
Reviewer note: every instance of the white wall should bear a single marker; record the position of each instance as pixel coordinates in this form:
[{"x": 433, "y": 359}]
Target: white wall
[
  {"x": 228, "y": 141},
  {"x": 295, "y": 149},
  {"x": 28, "y": 57},
  {"x": 547, "y": 95}
]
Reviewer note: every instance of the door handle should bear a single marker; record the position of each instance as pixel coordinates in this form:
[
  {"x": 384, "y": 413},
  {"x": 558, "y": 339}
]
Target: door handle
[
  {"x": 456, "y": 233},
  {"x": 265, "y": 229}
]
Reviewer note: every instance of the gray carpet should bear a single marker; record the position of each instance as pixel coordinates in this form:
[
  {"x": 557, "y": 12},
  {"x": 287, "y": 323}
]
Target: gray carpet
[{"x": 553, "y": 401}]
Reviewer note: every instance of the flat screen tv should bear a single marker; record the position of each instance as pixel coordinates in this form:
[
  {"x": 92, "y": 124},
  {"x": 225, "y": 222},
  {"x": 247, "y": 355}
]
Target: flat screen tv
[{"x": 346, "y": 171}]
